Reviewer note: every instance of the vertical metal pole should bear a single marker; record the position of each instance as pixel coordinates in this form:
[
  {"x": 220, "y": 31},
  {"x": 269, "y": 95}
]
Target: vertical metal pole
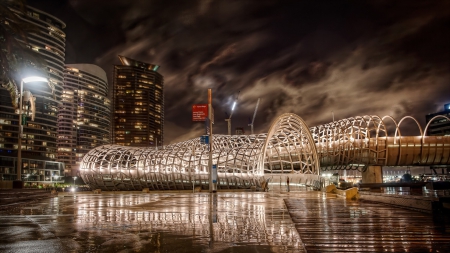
[
  {"x": 192, "y": 167},
  {"x": 19, "y": 145},
  {"x": 211, "y": 188}
]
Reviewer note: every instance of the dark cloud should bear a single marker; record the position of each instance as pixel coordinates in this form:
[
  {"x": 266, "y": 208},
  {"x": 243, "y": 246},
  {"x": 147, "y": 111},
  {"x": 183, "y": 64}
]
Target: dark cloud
[{"x": 312, "y": 58}]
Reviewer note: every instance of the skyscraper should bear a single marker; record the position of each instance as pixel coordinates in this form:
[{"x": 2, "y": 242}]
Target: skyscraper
[
  {"x": 39, "y": 164},
  {"x": 138, "y": 99},
  {"x": 439, "y": 126},
  {"x": 84, "y": 120}
]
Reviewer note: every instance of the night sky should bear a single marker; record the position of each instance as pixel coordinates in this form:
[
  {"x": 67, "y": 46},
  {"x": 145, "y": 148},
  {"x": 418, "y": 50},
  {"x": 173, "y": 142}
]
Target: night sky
[{"x": 311, "y": 58}]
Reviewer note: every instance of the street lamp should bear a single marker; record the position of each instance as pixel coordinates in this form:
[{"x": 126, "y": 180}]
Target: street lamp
[
  {"x": 74, "y": 178},
  {"x": 19, "y": 147}
]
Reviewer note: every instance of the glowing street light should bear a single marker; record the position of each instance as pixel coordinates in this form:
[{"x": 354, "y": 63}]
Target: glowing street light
[
  {"x": 231, "y": 114},
  {"x": 19, "y": 146},
  {"x": 74, "y": 178}
]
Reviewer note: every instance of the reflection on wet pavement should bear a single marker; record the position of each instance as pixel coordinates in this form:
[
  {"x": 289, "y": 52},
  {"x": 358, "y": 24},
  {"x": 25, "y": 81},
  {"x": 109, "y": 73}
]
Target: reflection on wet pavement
[
  {"x": 247, "y": 222},
  {"x": 165, "y": 222},
  {"x": 329, "y": 224}
]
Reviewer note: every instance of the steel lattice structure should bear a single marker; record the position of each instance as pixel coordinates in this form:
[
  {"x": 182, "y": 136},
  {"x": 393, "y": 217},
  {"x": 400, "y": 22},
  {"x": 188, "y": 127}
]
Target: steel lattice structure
[
  {"x": 241, "y": 160},
  {"x": 358, "y": 142},
  {"x": 290, "y": 146}
]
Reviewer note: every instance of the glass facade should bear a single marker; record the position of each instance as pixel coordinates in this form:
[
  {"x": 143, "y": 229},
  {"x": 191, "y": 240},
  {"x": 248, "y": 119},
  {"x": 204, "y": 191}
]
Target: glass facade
[
  {"x": 84, "y": 120},
  {"x": 40, "y": 136},
  {"x": 138, "y": 104},
  {"x": 439, "y": 122}
]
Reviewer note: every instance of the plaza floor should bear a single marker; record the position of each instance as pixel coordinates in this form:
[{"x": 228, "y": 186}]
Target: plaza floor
[{"x": 276, "y": 221}]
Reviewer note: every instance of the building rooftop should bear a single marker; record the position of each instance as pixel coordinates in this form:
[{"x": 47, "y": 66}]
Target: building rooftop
[{"x": 130, "y": 62}]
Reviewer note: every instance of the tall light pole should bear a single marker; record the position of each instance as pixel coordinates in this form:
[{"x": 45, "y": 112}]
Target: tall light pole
[
  {"x": 254, "y": 115},
  {"x": 19, "y": 146},
  {"x": 210, "y": 117},
  {"x": 231, "y": 114}
]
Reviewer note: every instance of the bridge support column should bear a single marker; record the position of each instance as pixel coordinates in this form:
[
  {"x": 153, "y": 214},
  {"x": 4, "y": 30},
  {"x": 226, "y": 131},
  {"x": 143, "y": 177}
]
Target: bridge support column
[{"x": 373, "y": 174}]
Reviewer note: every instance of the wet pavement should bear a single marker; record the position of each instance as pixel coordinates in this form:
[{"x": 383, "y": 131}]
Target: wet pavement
[
  {"x": 142, "y": 222},
  {"x": 338, "y": 225},
  {"x": 240, "y": 221}
]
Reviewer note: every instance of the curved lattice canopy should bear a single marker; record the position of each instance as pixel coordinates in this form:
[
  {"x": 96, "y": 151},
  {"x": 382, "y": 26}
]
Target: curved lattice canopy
[
  {"x": 290, "y": 146},
  {"x": 241, "y": 160}
]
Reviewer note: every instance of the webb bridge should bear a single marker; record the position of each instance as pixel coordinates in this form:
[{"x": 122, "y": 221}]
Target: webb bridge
[{"x": 290, "y": 148}]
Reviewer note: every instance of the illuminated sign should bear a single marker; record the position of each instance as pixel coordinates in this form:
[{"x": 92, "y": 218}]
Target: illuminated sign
[{"x": 199, "y": 112}]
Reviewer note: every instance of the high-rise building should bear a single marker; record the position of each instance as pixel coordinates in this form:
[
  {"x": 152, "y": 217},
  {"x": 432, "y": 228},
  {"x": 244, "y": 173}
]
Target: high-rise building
[
  {"x": 439, "y": 126},
  {"x": 138, "y": 98},
  {"x": 84, "y": 120},
  {"x": 39, "y": 151}
]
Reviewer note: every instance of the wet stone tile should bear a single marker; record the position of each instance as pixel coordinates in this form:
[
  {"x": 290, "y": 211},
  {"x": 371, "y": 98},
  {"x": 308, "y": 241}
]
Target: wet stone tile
[
  {"x": 133, "y": 222},
  {"x": 338, "y": 225}
]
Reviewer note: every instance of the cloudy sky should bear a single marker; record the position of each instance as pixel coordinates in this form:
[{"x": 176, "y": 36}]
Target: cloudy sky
[{"x": 313, "y": 58}]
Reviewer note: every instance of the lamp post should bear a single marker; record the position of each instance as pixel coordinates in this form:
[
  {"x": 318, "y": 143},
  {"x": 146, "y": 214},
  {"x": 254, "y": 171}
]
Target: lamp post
[
  {"x": 19, "y": 146},
  {"x": 74, "y": 178},
  {"x": 210, "y": 164}
]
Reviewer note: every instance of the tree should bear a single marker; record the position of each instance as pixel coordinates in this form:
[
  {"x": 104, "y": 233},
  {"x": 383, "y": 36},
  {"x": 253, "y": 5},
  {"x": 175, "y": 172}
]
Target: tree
[{"x": 15, "y": 51}]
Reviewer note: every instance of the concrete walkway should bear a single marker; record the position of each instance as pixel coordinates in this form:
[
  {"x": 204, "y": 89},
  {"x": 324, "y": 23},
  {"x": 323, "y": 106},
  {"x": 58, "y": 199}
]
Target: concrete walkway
[
  {"x": 239, "y": 221},
  {"x": 161, "y": 222},
  {"x": 329, "y": 224}
]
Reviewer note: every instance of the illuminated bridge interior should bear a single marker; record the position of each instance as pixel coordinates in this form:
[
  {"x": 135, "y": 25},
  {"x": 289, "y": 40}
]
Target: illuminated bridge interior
[{"x": 243, "y": 161}]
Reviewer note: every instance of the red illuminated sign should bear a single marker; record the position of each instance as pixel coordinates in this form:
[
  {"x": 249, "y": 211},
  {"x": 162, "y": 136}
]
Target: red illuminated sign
[{"x": 199, "y": 112}]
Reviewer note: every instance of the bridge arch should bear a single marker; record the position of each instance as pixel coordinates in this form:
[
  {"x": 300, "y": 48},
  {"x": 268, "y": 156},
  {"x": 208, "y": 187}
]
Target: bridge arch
[
  {"x": 289, "y": 142},
  {"x": 435, "y": 149},
  {"x": 431, "y": 121}
]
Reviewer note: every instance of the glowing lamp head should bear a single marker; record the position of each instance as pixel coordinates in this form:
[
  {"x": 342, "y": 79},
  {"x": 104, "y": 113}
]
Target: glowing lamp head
[
  {"x": 234, "y": 105},
  {"x": 34, "y": 79}
]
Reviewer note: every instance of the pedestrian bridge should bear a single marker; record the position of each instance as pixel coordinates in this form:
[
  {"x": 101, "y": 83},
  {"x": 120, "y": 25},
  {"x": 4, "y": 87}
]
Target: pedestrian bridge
[{"x": 289, "y": 147}]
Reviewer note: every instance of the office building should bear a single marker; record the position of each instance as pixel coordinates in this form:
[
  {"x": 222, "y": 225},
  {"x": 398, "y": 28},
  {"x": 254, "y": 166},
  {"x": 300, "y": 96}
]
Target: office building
[
  {"x": 138, "y": 98},
  {"x": 84, "y": 120},
  {"x": 39, "y": 151},
  {"x": 438, "y": 127},
  {"x": 441, "y": 125}
]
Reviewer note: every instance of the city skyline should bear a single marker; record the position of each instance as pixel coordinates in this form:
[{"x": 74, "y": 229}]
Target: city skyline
[{"x": 314, "y": 59}]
